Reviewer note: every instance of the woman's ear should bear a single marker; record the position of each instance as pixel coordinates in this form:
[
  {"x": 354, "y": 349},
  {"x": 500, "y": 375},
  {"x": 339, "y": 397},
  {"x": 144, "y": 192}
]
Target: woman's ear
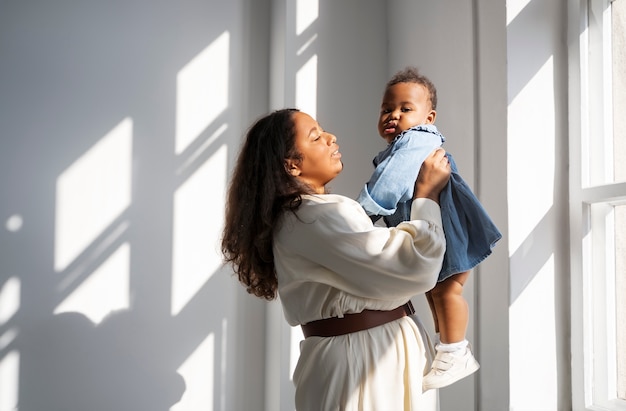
[{"x": 292, "y": 167}]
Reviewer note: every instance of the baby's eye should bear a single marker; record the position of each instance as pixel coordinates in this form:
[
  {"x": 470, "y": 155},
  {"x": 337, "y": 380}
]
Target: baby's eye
[
  {"x": 385, "y": 111},
  {"x": 406, "y": 109}
]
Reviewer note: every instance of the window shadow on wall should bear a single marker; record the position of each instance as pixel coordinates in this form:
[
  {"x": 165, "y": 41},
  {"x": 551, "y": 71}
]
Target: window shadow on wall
[
  {"x": 111, "y": 146},
  {"x": 538, "y": 202}
]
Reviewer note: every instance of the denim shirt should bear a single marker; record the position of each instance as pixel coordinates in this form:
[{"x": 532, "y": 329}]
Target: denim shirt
[
  {"x": 397, "y": 167},
  {"x": 470, "y": 232}
]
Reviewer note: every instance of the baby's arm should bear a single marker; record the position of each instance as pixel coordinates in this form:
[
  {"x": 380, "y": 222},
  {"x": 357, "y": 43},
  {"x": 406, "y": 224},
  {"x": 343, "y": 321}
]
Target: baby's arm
[{"x": 393, "y": 179}]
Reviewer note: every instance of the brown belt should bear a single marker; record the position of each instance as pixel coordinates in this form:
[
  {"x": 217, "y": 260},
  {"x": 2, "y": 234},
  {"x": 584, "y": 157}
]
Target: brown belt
[{"x": 351, "y": 323}]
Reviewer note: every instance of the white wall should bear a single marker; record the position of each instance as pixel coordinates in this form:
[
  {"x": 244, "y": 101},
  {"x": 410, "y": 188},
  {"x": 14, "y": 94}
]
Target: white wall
[
  {"x": 460, "y": 46},
  {"x": 537, "y": 197},
  {"x": 117, "y": 182}
]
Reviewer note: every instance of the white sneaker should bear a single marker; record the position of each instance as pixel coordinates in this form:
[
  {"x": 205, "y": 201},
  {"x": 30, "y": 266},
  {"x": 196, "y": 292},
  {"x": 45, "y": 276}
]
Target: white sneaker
[{"x": 448, "y": 368}]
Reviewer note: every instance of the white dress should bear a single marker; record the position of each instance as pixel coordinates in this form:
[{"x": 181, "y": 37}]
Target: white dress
[{"x": 331, "y": 260}]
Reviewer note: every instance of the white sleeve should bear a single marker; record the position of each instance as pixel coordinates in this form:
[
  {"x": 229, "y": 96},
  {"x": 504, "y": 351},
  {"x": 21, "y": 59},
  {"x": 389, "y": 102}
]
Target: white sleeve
[{"x": 336, "y": 243}]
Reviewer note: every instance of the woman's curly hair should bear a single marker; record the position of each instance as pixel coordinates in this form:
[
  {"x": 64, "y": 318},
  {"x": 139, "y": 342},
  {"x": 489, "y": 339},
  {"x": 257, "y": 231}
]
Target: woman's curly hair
[{"x": 261, "y": 189}]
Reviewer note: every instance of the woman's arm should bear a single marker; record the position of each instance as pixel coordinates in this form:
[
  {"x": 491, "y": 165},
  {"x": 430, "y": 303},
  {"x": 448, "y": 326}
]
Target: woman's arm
[
  {"x": 333, "y": 241},
  {"x": 336, "y": 243}
]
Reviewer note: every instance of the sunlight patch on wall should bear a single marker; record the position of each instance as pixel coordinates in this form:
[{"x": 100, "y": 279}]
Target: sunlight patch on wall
[
  {"x": 307, "y": 11},
  {"x": 513, "y": 8},
  {"x": 534, "y": 344},
  {"x": 532, "y": 155},
  {"x": 306, "y": 87},
  {"x": 198, "y": 221},
  {"x": 14, "y": 223},
  {"x": 92, "y": 192},
  {"x": 197, "y": 370},
  {"x": 202, "y": 91},
  {"x": 294, "y": 350},
  {"x": 306, "y": 45},
  {"x": 6, "y": 339},
  {"x": 9, "y": 299},
  {"x": 104, "y": 291},
  {"x": 9, "y": 378},
  {"x": 9, "y": 363},
  {"x": 193, "y": 157},
  {"x": 223, "y": 365}
]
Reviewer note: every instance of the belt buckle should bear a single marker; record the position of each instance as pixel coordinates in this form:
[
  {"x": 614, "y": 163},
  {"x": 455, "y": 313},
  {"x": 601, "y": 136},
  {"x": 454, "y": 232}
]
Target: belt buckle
[{"x": 408, "y": 307}]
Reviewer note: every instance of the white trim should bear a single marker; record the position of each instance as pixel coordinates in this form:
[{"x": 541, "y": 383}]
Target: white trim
[
  {"x": 592, "y": 198},
  {"x": 577, "y": 29},
  {"x": 611, "y": 193}
]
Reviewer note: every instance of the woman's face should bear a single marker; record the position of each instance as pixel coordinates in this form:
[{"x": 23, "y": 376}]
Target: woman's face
[{"x": 321, "y": 159}]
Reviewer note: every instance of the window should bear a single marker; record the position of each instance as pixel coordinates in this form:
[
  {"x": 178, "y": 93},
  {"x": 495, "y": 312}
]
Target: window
[
  {"x": 618, "y": 38},
  {"x": 598, "y": 203}
]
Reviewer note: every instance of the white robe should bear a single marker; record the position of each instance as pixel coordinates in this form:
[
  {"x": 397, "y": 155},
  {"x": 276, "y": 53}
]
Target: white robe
[{"x": 331, "y": 260}]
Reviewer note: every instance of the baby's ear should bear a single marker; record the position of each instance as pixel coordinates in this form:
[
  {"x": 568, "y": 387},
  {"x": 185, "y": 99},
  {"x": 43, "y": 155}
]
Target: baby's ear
[{"x": 432, "y": 114}]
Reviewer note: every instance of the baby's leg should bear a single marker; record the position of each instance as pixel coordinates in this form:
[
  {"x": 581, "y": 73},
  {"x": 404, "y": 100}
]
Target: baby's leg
[
  {"x": 451, "y": 309},
  {"x": 454, "y": 359},
  {"x": 433, "y": 311}
]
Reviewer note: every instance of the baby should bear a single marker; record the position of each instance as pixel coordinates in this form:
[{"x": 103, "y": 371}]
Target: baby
[{"x": 406, "y": 122}]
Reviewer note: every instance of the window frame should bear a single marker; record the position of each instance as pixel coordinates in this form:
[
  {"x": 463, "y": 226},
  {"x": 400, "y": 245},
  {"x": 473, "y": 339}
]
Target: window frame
[{"x": 592, "y": 199}]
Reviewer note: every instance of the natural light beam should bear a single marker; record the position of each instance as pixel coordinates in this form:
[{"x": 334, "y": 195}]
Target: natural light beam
[
  {"x": 198, "y": 220},
  {"x": 202, "y": 91},
  {"x": 306, "y": 87},
  {"x": 92, "y": 192},
  {"x": 294, "y": 349},
  {"x": 192, "y": 157},
  {"x": 7, "y": 338},
  {"x": 9, "y": 380},
  {"x": 307, "y": 11},
  {"x": 306, "y": 45},
  {"x": 104, "y": 291},
  {"x": 306, "y": 100},
  {"x": 513, "y": 8},
  {"x": 9, "y": 299},
  {"x": 14, "y": 223},
  {"x": 198, "y": 370},
  {"x": 224, "y": 364},
  {"x": 537, "y": 301},
  {"x": 532, "y": 155}
]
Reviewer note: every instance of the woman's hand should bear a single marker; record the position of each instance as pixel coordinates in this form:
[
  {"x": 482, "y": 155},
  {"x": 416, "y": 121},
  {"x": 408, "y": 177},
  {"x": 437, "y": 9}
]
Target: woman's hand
[{"x": 433, "y": 176}]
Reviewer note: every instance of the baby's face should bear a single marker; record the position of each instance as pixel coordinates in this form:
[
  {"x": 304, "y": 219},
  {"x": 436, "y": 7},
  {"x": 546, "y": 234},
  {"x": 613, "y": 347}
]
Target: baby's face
[{"x": 404, "y": 105}]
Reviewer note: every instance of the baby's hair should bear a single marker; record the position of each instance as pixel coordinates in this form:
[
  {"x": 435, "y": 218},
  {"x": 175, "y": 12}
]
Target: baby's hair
[{"x": 412, "y": 75}]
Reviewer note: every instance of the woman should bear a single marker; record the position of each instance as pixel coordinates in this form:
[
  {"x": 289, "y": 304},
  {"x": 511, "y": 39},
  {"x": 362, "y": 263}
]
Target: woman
[{"x": 345, "y": 281}]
